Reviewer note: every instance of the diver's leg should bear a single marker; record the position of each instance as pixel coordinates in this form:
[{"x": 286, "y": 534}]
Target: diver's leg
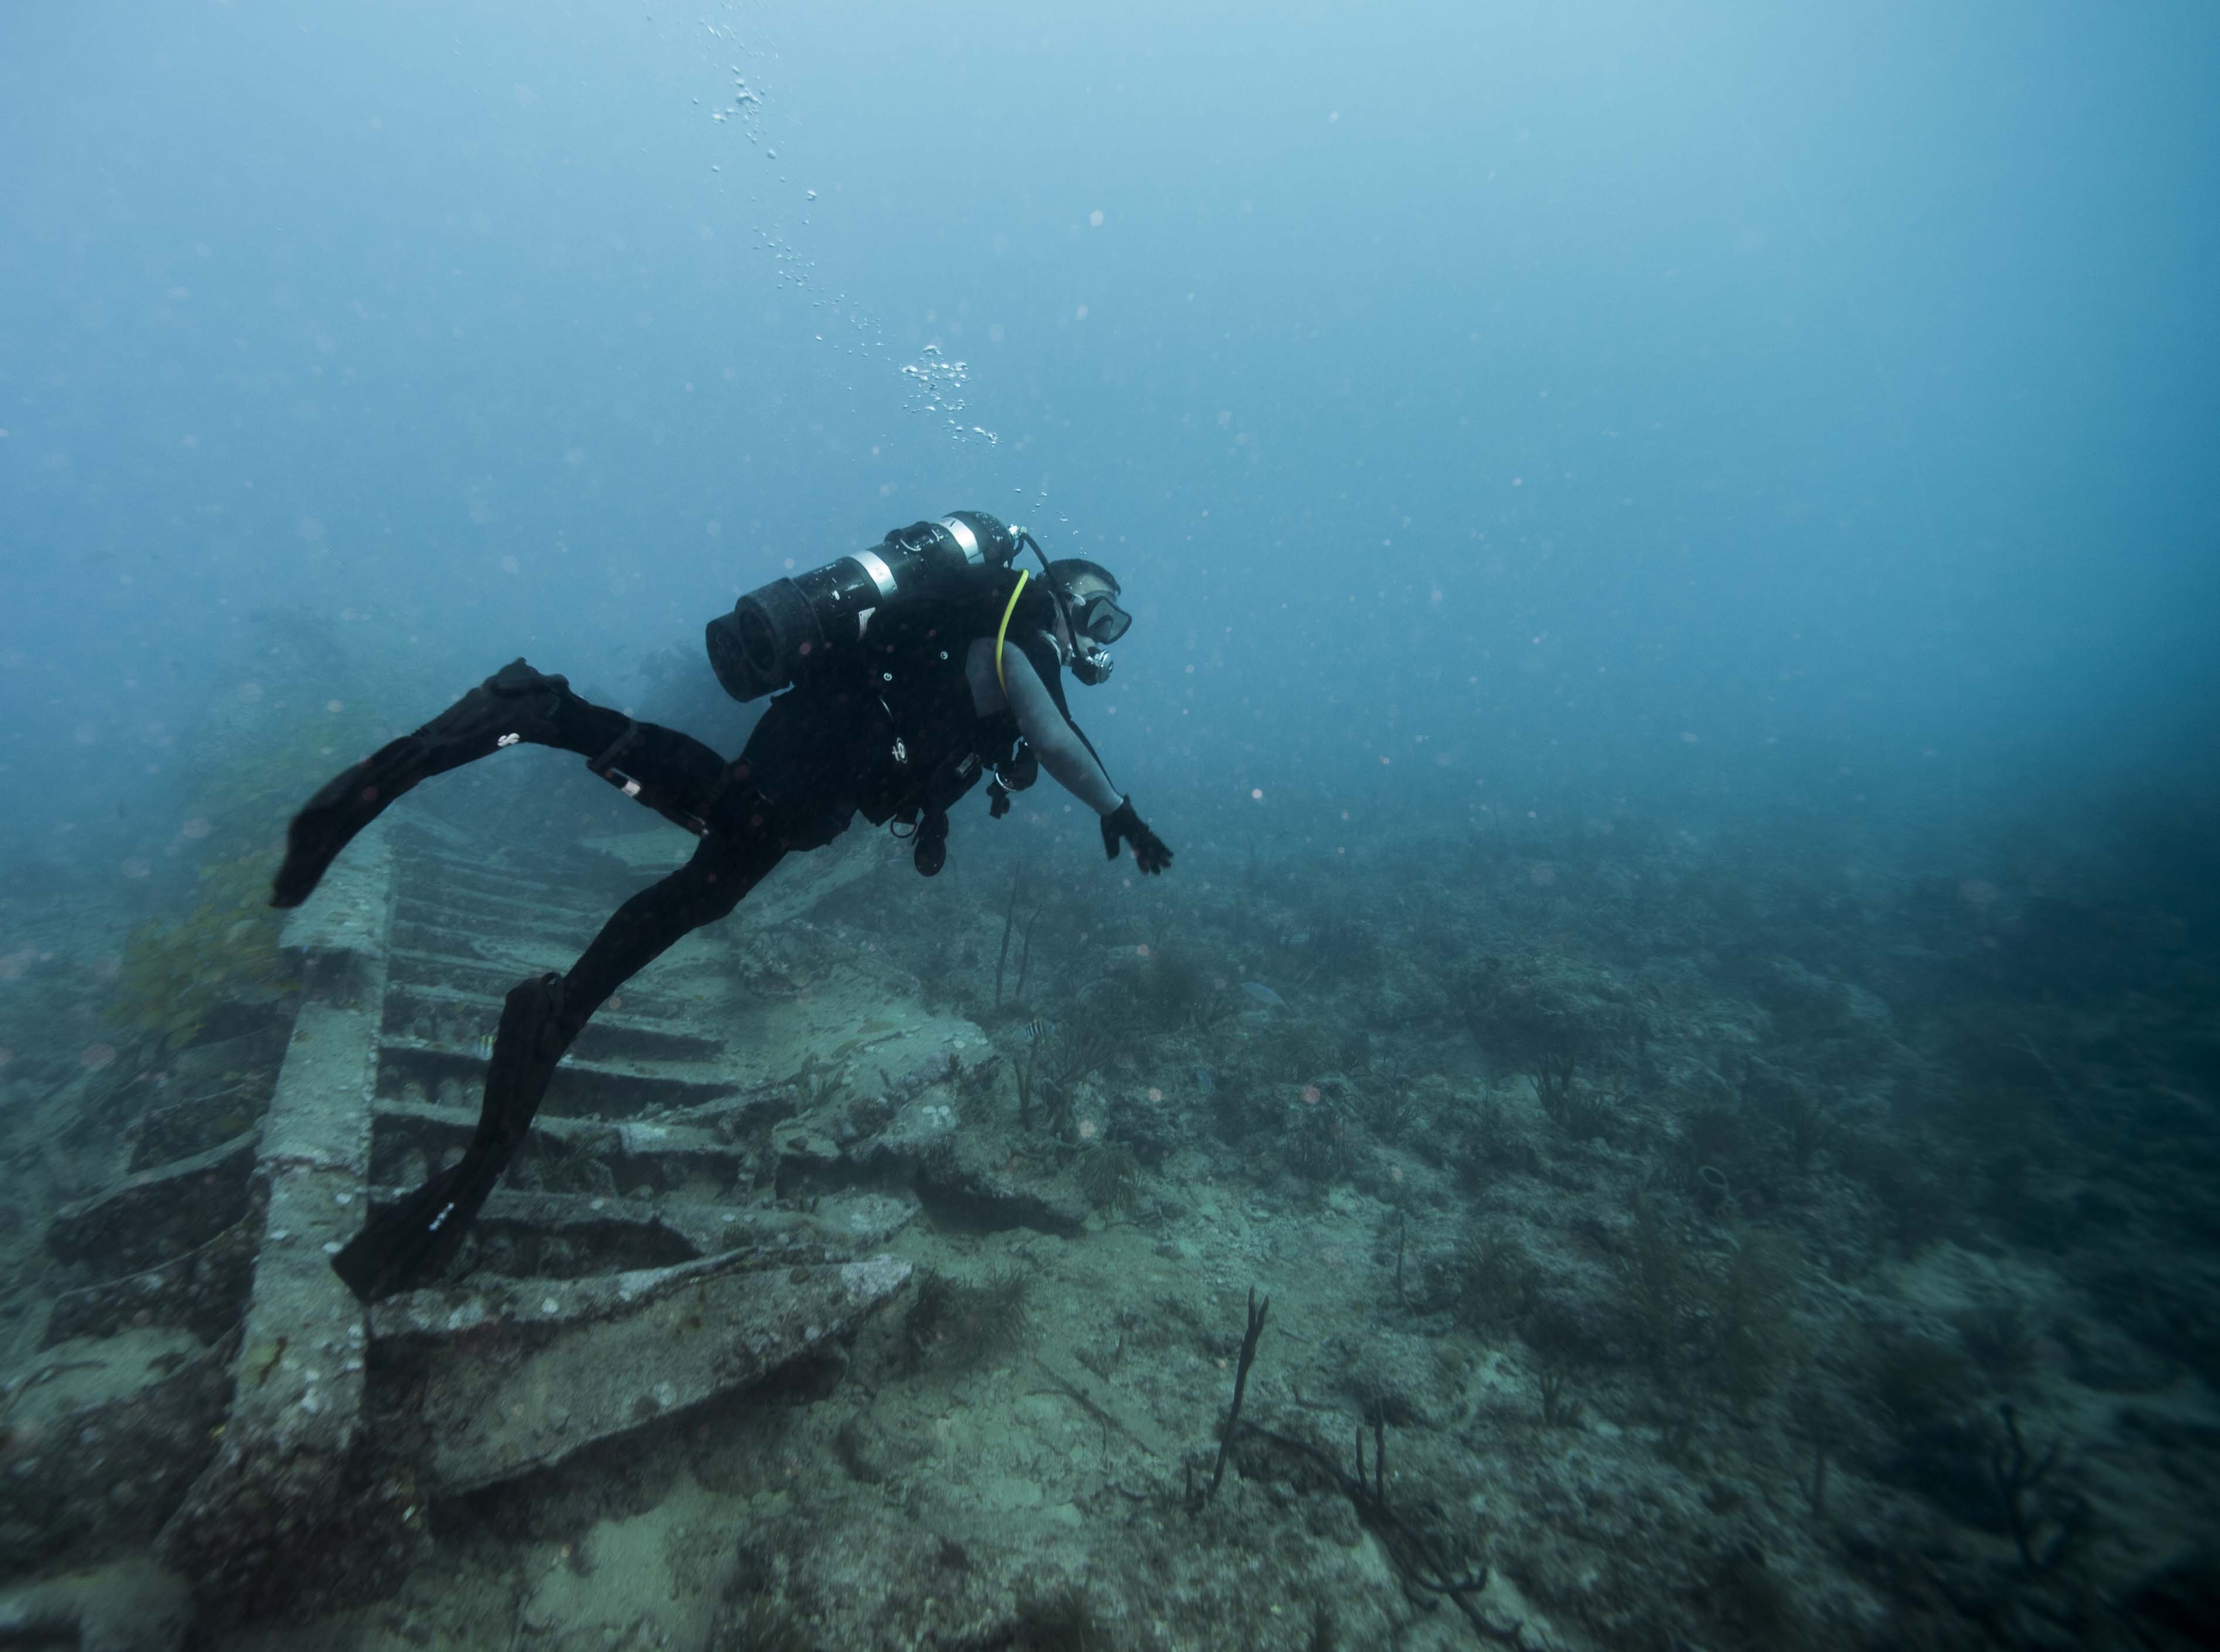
[
  {"x": 670, "y": 772},
  {"x": 400, "y": 1247}
]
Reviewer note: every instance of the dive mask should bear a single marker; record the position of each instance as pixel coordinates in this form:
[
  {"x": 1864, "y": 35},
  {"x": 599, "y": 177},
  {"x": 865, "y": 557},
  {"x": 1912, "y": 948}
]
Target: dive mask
[
  {"x": 1096, "y": 621},
  {"x": 1098, "y": 618}
]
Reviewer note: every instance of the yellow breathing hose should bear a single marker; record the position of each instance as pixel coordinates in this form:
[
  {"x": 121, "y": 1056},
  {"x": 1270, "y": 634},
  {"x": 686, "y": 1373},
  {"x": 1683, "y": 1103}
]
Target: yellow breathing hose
[{"x": 1003, "y": 631}]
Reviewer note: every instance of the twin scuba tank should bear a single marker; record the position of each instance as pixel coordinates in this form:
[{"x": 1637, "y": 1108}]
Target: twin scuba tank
[{"x": 810, "y": 628}]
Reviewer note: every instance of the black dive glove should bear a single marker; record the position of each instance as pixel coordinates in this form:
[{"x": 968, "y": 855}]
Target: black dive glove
[{"x": 1151, "y": 853}]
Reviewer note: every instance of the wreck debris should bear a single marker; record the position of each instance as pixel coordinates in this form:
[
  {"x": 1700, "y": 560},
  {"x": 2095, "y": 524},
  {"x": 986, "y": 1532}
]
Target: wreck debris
[
  {"x": 518, "y": 1375},
  {"x": 282, "y": 1440},
  {"x": 267, "y": 1500}
]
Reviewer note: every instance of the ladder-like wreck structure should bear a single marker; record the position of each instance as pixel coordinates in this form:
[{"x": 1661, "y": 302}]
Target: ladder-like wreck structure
[{"x": 281, "y": 1442}]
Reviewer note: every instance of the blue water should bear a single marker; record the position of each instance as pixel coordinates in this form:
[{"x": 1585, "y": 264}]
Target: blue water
[{"x": 1487, "y": 414}]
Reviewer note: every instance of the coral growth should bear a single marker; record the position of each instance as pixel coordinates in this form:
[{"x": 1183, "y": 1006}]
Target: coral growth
[
  {"x": 174, "y": 976},
  {"x": 1110, "y": 1177},
  {"x": 961, "y": 1322}
]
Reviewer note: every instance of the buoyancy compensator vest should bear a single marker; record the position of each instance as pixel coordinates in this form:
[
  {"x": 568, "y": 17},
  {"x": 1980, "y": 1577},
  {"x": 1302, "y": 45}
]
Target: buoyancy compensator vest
[
  {"x": 913, "y": 660},
  {"x": 874, "y": 645}
]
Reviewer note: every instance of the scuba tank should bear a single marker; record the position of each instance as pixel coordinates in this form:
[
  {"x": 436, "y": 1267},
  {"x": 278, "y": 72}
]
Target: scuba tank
[{"x": 807, "y": 628}]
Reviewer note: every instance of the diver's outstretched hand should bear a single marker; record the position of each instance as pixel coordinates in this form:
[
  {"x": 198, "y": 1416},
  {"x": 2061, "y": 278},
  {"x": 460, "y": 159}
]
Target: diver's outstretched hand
[{"x": 1151, "y": 853}]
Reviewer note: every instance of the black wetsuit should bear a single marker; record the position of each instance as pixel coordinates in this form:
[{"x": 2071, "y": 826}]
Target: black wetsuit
[{"x": 890, "y": 734}]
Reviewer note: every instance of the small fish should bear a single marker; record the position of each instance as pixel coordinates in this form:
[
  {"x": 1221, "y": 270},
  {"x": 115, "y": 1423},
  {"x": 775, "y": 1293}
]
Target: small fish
[
  {"x": 1264, "y": 994},
  {"x": 485, "y": 1046},
  {"x": 1203, "y": 1081},
  {"x": 1040, "y": 1029}
]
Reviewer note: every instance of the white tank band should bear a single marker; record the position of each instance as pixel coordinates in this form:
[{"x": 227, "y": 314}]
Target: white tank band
[
  {"x": 882, "y": 576},
  {"x": 966, "y": 540}
]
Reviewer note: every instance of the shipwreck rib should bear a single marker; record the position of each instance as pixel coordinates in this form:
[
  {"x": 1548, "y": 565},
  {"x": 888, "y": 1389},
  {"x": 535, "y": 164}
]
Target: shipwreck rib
[
  {"x": 297, "y": 1385},
  {"x": 518, "y": 1374}
]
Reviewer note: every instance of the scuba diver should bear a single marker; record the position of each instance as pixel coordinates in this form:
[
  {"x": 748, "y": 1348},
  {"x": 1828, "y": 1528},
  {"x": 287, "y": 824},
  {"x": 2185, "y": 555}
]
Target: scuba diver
[{"x": 910, "y": 671}]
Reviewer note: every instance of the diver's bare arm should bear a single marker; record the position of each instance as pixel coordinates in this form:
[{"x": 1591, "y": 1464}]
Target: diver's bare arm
[{"x": 1062, "y": 752}]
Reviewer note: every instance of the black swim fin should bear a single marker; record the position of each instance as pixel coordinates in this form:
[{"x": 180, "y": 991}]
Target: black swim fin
[
  {"x": 515, "y": 703},
  {"x": 401, "y": 1247}
]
